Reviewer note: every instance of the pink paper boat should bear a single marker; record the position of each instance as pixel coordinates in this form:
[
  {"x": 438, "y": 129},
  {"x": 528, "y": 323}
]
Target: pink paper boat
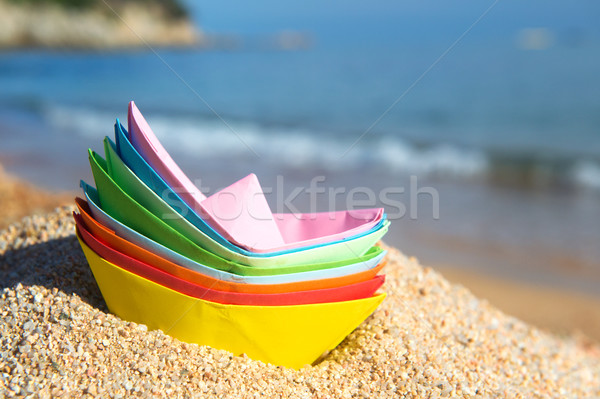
[{"x": 240, "y": 212}]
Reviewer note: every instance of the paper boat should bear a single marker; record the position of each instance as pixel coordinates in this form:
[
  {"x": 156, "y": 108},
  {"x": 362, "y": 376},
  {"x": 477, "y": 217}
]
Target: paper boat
[
  {"x": 290, "y": 224},
  {"x": 254, "y": 226},
  {"x": 334, "y": 269},
  {"x": 290, "y": 336},
  {"x": 141, "y": 193},
  {"x": 116, "y": 202},
  {"x": 130, "y": 249},
  {"x": 360, "y": 290},
  {"x": 223, "y": 271}
]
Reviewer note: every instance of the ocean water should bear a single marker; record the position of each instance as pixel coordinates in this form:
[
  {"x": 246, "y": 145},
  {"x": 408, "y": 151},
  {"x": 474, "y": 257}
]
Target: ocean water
[
  {"x": 472, "y": 117},
  {"x": 506, "y": 130}
]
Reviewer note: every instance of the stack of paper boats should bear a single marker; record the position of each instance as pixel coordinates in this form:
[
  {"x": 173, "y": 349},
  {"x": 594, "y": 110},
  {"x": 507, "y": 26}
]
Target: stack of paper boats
[{"x": 223, "y": 271}]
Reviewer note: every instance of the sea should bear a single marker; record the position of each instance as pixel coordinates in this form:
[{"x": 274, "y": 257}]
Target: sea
[{"x": 480, "y": 137}]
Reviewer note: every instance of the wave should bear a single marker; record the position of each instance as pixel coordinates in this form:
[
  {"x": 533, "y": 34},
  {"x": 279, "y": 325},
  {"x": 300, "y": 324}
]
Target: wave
[
  {"x": 208, "y": 139},
  {"x": 587, "y": 174},
  {"x": 82, "y": 121}
]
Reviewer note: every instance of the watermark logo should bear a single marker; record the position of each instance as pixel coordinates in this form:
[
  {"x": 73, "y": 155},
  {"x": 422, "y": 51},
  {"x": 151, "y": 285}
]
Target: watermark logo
[{"x": 229, "y": 204}]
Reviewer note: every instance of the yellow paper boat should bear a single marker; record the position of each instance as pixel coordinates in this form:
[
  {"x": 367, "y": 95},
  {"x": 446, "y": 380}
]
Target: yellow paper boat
[{"x": 290, "y": 336}]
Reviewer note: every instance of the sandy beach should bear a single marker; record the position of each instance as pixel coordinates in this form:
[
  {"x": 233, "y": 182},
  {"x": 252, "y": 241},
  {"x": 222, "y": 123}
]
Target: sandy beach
[
  {"x": 560, "y": 311},
  {"x": 19, "y": 199},
  {"x": 430, "y": 338}
]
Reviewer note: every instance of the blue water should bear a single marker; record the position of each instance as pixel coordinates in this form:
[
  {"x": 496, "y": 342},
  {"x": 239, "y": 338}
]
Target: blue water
[
  {"x": 506, "y": 125},
  {"x": 496, "y": 106}
]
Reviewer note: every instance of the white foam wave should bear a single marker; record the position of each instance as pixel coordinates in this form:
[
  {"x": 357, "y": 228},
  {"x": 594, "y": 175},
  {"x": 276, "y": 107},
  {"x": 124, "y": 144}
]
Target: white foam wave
[
  {"x": 441, "y": 160},
  {"x": 292, "y": 147},
  {"x": 587, "y": 174},
  {"x": 300, "y": 147},
  {"x": 83, "y": 121}
]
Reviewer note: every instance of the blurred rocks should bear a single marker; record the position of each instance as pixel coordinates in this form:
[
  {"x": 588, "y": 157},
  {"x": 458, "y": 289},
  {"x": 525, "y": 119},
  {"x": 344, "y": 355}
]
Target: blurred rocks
[{"x": 97, "y": 25}]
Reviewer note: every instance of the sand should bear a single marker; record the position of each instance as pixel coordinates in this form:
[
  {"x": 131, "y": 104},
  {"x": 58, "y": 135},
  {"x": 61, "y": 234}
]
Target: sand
[
  {"x": 18, "y": 199},
  {"x": 429, "y": 338},
  {"x": 561, "y": 311}
]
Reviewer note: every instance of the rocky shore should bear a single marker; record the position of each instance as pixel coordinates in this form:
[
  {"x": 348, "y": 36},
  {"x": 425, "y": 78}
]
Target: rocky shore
[{"x": 98, "y": 25}]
